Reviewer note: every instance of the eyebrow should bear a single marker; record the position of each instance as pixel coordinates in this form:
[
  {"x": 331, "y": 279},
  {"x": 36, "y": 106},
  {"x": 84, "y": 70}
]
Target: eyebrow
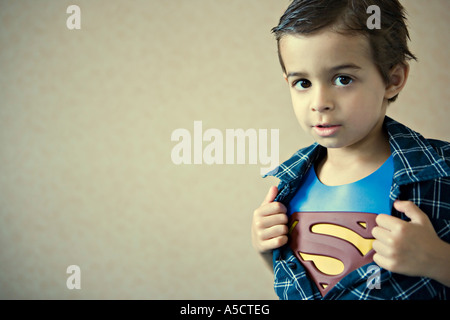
[{"x": 333, "y": 69}]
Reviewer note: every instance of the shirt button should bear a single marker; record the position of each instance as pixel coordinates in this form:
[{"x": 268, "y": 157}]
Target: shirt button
[{"x": 292, "y": 265}]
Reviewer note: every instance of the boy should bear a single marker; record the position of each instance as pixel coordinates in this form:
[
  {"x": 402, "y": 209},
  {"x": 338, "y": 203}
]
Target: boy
[{"x": 365, "y": 169}]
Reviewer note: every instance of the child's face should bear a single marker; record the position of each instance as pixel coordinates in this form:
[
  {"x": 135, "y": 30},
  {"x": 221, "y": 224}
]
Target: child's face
[{"x": 337, "y": 92}]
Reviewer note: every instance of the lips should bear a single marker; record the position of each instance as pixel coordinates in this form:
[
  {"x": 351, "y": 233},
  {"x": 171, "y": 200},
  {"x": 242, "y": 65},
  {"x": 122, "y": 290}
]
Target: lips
[{"x": 326, "y": 130}]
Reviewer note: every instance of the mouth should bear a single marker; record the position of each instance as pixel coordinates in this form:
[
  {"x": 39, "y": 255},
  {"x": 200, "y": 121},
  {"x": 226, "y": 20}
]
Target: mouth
[
  {"x": 326, "y": 125},
  {"x": 326, "y": 130}
]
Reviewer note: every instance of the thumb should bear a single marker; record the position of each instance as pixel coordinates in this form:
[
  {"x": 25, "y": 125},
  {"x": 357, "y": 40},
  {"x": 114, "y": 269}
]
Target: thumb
[
  {"x": 271, "y": 195},
  {"x": 411, "y": 211}
]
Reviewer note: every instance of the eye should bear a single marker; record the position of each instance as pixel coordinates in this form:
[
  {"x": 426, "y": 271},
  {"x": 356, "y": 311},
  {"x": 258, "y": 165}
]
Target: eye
[
  {"x": 301, "y": 84},
  {"x": 342, "y": 81}
]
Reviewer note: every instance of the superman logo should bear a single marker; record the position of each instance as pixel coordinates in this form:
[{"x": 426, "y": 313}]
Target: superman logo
[{"x": 330, "y": 245}]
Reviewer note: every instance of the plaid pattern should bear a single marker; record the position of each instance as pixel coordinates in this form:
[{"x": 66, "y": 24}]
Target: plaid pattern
[{"x": 421, "y": 174}]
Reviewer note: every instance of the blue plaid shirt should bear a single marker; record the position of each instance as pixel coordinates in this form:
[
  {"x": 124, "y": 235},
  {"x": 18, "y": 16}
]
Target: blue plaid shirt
[{"x": 421, "y": 174}]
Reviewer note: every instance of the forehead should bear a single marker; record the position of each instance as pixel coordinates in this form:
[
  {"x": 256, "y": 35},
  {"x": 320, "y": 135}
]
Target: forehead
[{"x": 324, "y": 50}]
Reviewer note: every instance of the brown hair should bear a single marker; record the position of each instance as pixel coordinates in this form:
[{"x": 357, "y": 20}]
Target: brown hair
[{"x": 388, "y": 44}]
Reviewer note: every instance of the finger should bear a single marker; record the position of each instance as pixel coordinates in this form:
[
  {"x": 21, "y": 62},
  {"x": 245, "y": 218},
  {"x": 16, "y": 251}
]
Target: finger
[
  {"x": 381, "y": 248},
  {"x": 382, "y": 235},
  {"x": 382, "y": 261},
  {"x": 272, "y": 220},
  {"x": 270, "y": 196},
  {"x": 274, "y": 243},
  {"x": 271, "y": 209},
  {"x": 273, "y": 232},
  {"x": 410, "y": 210},
  {"x": 387, "y": 222}
]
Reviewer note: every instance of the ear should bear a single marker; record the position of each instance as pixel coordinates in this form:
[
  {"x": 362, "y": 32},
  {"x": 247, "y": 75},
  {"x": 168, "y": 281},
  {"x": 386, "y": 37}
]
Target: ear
[
  {"x": 397, "y": 79},
  {"x": 285, "y": 77}
]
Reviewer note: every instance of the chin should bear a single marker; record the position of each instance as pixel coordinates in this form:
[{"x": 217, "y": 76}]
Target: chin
[{"x": 330, "y": 143}]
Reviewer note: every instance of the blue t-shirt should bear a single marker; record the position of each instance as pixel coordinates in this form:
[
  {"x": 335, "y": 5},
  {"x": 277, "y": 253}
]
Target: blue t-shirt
[{"x": 370, "y": 194}]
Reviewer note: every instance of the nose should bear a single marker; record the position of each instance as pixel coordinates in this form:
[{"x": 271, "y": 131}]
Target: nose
[{"x": 322, "y": 100}]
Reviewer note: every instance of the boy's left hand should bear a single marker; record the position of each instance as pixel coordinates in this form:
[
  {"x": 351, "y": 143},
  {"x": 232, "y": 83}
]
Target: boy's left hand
[{"x": 405, "y": 247}]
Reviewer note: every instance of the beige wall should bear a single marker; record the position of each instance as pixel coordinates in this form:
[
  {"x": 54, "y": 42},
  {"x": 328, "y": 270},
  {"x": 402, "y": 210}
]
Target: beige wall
[{"x": 86, "y": 118}]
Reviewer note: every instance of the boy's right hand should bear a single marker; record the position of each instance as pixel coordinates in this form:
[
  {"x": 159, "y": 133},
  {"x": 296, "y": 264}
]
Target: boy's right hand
[{"x": 269, "y": 225}]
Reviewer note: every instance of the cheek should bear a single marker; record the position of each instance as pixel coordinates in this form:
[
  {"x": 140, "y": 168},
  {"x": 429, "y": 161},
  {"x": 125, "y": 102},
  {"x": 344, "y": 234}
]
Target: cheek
[
  {"x": 374, "y": 93},
  {"x": 366, "y": 103},
  {"x": 300, "y": 108}
]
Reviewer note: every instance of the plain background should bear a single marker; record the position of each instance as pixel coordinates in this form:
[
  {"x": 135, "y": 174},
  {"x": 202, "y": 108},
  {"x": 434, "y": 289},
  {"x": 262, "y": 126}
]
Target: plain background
[{"x": 86, "y": 117}]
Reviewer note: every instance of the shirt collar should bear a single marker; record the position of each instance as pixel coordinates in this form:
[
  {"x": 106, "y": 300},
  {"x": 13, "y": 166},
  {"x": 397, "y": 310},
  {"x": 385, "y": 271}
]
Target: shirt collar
[
  {"x": 415, "y": 159},
  {"x": 294, "y": 168}
]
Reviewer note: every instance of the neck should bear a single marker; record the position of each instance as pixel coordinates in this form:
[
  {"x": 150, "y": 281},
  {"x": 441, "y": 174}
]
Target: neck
[
  {"x": 374, "y": 152},
  {"x": 349, "y": 164},
  {"x": 373, "y": 148}
]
